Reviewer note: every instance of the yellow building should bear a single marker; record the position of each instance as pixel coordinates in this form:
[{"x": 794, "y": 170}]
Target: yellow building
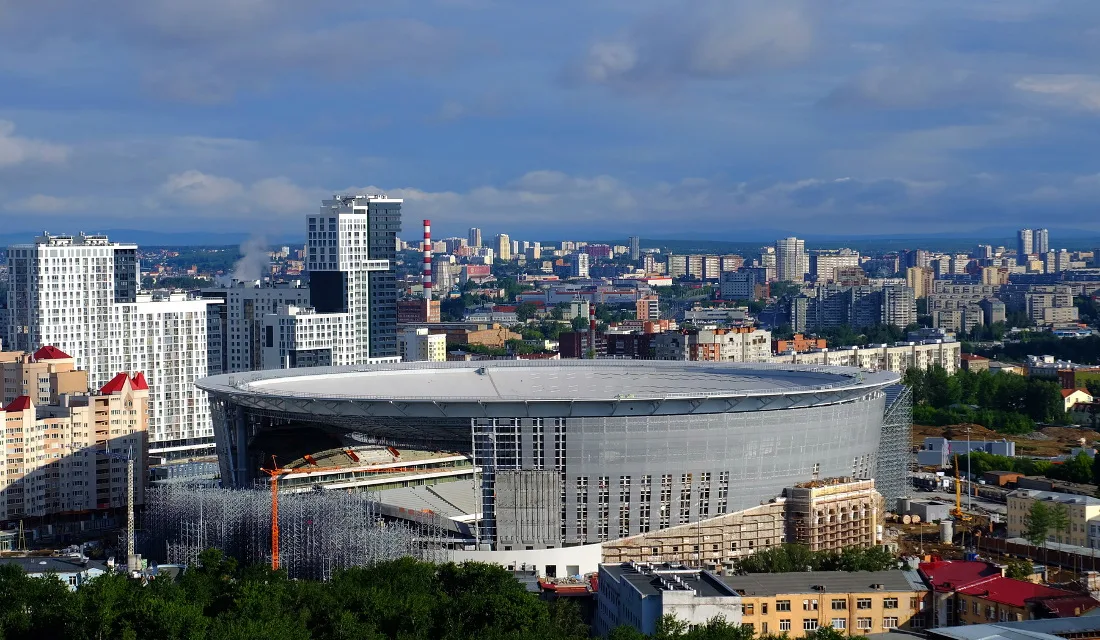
[
  {"x": 1079, "y": 509},
  {"x": 789, "y": 604},
  {"x": 919, "y": 279},
  {"x": 855, "y": 603}
]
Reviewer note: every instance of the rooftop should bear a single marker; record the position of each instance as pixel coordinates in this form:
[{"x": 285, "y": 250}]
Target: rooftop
[
  {"x": 1055, "y": 496},
  {"x": 1049, "y": 629},
  {"x": 651, "y": 580},
  {"x": 770, "y": 584},
  {"x": 947, "y": 575},
  {"x": 1015, "y": 593},
  {"x": 577, "y": 380}
]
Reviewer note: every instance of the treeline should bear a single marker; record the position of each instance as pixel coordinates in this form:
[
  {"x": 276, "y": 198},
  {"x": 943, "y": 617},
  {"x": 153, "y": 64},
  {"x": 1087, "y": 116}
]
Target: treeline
[
  {"x": 1005, "y": 403},
  {"x": 1081, "y": 350},
  {"x": 1077, "y": 469},
  {"x": 796, "y": 557},
  {"x": 217, "y": 600}
]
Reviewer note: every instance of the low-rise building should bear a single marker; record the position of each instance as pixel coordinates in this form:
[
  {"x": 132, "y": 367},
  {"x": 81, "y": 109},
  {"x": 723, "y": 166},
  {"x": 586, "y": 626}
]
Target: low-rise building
[
  {"x": 714, "y": 345},
  {"x": 72, "y": 572},
  {"x": 854, "y": 603},
  {"x": 899, "y": 358},
  {"x": 1080, "y": 510},
  {"x": 418, "y": 345},
  {"x": 938, "y": 452},
  {"x": 976, "y": 592},
  {"x": 799, "y": 344},
  {"x": 973, "y": 363},
  {"x": 1073, "y": 397}
]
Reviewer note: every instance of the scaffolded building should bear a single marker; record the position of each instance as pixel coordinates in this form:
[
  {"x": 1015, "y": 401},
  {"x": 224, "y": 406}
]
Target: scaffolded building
[
  {"x": 320, "y": 532},
  {"x": 895, "y": 456}
]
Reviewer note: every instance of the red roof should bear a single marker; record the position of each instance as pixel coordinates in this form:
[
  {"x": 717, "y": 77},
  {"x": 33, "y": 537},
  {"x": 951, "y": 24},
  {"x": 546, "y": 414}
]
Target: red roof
[
  {"x": 117, "y": 383},
  {"x": 1069, "y": 606},
  {"x": 947, "y": 575},
  {"x": 138, "y": 382},
  {"x": 22, "y": 403},
  {"x": 1069, "y": 392},
  {"x": 50, "y": 352},
  {"x": 1015, "y": 593}
]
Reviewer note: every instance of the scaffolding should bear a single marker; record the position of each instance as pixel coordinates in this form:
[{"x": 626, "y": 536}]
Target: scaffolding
[
  {"x": 321, "y": 531},
  {"x": 895, "y": 450}
]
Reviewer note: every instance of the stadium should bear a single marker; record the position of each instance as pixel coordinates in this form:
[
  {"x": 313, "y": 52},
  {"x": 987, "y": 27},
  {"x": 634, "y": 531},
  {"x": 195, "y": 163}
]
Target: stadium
[{"x": 557, "y": 454}]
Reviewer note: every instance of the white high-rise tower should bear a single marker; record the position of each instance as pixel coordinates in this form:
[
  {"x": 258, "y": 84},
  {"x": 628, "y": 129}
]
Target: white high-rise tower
[
  {"x": 791, "y": 261},
  {"x": 80, "y": 294}
]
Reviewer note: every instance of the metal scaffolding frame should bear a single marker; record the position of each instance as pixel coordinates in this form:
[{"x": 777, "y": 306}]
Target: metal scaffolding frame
[
  {"x": 895, "y": 451},
  {"x": 321, "y": 531}
]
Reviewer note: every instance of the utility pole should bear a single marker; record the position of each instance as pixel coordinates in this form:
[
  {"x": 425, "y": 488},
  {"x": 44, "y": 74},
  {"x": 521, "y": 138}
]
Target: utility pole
[{"x": 969, "y": 478}]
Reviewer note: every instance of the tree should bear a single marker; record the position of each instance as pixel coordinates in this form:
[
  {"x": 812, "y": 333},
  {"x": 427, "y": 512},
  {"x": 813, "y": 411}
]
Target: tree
[
  {"x": 1020, "y": 569},
  {"x": 1059, "y": 519},
  {"x": 1096, "y": 471},
  {"x": 1037, "y": 523},
  {"x": 825, "y": 633},
  {"x": 525, "y": 311}
]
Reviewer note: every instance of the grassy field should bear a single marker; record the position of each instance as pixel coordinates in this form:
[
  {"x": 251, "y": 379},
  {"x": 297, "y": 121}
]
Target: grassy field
[{"x": 1053, "y": 441}]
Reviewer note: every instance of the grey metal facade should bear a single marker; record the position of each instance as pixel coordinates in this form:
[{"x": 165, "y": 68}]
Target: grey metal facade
[{"x": 583, "y": 472}]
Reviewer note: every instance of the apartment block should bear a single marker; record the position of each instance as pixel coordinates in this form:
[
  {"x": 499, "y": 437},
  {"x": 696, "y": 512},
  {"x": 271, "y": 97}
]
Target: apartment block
[
  {"x": 43, "y": 376},
  {"x": 858, "y": 306},
  {"x": 714, "y": 345},
  {"x": 417, "y": 345},
  {"x": 54, "y": 464},
  {"x": 920, "y": 279},
  {"x": 899, "y": 357},
  {"x": 80, "y": 294}
]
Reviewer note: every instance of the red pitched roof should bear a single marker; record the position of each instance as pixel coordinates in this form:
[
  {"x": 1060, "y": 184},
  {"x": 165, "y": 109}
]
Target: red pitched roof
[
  {"x": 117, "y": 383},
  {"x": 22, "y": 403},
  {"x": 1069, "y": 392},
  {"x": 50, "y": 352},
  {"x": 951, "y": 575},
  {"x": 1012, "y": 592},
  {"x": 138, "y": 382}
]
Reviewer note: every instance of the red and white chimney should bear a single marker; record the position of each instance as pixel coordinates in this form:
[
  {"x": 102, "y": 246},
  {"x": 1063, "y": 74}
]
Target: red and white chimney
[{"x": 427, "y": 260}]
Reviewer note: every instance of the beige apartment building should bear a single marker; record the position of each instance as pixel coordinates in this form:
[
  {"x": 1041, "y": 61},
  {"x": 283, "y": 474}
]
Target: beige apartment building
[
  {"x": 823, "y": 515},
  {"x": 54, "y": 463},
  {"x": 44, "y": 376}
]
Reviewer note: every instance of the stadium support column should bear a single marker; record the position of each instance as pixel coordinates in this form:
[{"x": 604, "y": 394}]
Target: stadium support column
[{"x": 240, "y": 451}]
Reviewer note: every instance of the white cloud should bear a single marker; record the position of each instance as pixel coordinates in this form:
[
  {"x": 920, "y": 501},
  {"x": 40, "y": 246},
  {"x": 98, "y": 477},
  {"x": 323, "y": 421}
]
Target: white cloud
[
  {"x": 15, "y": 150},
  {"x": 700, "y": 39},
  {"x": 1070, "y": 90},
  {"x": 196, "y": 188},
  {"x": 39, "y": 203}
]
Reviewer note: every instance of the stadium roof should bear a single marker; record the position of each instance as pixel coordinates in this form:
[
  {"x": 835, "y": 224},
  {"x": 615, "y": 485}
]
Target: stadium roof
[{"x": 579, "y": 380}]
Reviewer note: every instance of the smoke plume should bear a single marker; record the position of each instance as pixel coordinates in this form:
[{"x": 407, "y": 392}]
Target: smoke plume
[{"x": 254, "y": 261}]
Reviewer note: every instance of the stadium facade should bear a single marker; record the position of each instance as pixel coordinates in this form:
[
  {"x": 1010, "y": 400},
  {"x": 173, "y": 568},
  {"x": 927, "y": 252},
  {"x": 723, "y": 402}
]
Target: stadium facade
[{"x": 574, "y": 453}]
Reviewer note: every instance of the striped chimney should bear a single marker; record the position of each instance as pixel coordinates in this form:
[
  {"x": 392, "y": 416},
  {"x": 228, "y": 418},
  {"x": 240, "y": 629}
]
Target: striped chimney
[{"x": 427, "y": 260}]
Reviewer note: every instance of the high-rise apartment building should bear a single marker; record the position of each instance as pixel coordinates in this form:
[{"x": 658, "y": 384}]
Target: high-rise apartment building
[
  {"x": 80, "y": 294},
  {"x": 857, "y": 306},
  {"x": 504, "y": 247},
  {"x": 1025, "y": 244},
  {"x": 579, "y": 268},
  {"x": 474, "y": 238},
  {"x": 352, "y": 317},
  {"x": 635, "y": 247},
  {"x": 791, "y": 261},
  {"x": 1042, "y": 241},
  {"x": 824, "y": 264},
  {"x": 920, "y": 279}
]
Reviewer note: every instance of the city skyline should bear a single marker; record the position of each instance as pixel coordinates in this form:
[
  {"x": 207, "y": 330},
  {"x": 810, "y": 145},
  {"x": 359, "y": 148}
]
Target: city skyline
[{"x": 886, "y": 118}]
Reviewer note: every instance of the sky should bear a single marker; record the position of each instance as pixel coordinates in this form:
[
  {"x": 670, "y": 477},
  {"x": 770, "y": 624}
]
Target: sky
[{"x": 574, "y": 118}]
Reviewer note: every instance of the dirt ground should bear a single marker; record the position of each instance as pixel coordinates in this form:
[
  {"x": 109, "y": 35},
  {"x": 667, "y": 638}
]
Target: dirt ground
[{"x": 1051, "y": 441}]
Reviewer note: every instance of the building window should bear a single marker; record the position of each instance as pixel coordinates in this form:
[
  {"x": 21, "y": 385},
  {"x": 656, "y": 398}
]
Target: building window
[
  {"x": 839, "y": 605},
  {"x": 809, "y": 624},
  {"x": 914, "y": 603},
  {"x": 863, "y": 603},
  {"x": 782, "y": 605},
  {"x": 917, "y": 622},
  {"x": 863, "y": 623},
  {"x": 764, "y": 610},
  {"x": 839, "y": 623},
  {"x": 749, "y": 609},
  {"x": 784, "y": 625},
  {"x": 809, "y": 605},
  {"x": 889, "y": 603},
  {"x": 890, "y": 623},
  {"x": 977, "y": 608},
  {"x": 748, "y": 625}
]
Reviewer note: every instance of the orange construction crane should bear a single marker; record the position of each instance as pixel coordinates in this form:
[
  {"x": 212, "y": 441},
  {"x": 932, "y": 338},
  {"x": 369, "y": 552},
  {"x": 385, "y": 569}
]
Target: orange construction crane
[
  {"x": 276, "y": 471},
  {"x": 957, "y": 512}
]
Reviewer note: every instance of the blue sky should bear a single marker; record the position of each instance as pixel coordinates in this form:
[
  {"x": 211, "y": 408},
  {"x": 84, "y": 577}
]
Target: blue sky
[{"x": 563, "y": 119}]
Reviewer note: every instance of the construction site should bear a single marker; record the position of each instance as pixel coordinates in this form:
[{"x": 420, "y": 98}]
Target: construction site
[{"x": 312, "y": 536}]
